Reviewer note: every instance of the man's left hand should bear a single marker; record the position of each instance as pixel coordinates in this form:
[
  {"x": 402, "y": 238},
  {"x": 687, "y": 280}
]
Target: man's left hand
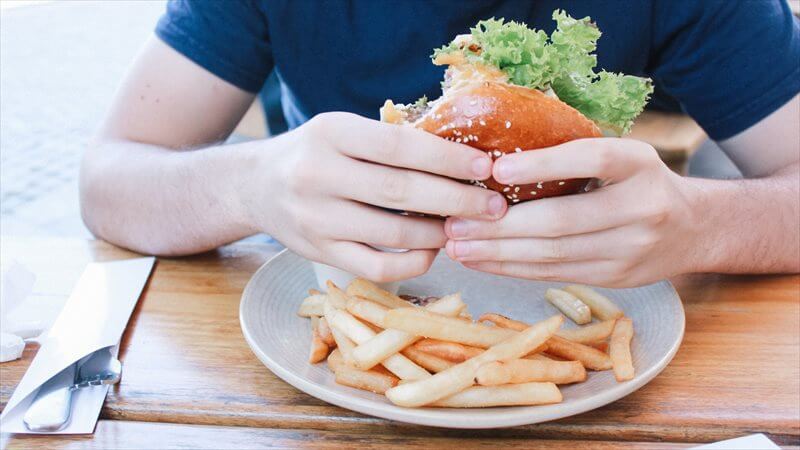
[{"x": 636, "y": 228}]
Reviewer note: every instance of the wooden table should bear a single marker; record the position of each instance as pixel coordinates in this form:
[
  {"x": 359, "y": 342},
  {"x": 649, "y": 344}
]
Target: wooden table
[{"x": 190, "y": 380}]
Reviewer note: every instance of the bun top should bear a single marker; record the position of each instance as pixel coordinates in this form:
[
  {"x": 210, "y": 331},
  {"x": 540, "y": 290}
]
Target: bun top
[{"x": 498, "y": 116}]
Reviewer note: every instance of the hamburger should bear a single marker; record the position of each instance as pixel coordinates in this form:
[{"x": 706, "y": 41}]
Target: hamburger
[{"x": 508, "y": 88}]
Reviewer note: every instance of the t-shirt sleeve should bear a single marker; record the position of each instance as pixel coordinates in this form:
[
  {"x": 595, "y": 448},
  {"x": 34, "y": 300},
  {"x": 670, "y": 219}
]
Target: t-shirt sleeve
[
  {"x": 228, "y": 38},
  {"x": 729, "y": 63}
]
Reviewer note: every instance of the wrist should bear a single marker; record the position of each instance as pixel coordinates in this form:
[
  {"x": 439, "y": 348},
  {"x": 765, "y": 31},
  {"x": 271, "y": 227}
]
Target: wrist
[
  {"x": 246, "y": 172},
  {"x": 705, "y": 228}
]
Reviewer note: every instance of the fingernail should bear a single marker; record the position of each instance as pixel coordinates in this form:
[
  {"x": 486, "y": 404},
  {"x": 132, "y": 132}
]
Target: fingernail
[
  {"x": 496, "y": 205},
  {"x": 458, "y": 228},
  {"x": 504, "y": 171},
  {"x": 461, "y": 248},
  {"x": 481, "y": 168}
]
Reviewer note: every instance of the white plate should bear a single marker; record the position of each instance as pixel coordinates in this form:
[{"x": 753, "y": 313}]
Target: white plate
[{"x": 280, "y": 339}]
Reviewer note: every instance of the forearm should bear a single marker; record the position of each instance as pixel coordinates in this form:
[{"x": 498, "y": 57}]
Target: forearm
[
  {"x": 166, "y": 202},
  {"x": 747, "y": 226}
]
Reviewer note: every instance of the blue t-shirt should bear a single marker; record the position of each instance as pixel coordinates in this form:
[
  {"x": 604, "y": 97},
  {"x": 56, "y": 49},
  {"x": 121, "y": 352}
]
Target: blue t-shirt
[{"x": 728, "y": 63}]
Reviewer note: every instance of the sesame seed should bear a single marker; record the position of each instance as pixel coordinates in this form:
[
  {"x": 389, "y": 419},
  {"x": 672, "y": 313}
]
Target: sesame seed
[
  {"x": 533, "y": 192},
  {"x": 517, "y": 149},
  {"x": 539, "y": 185},
  {"x": 516, "y": 200},
  {"x": 514, "y": 196},
  {"x": 508, "y": 124},
  {"x": 458, "y": 140},
  {"x": 560, "y": 183},
  {"x": 482, "y": 122},
  {"x": 506, "y": 189},
  {"x": 469, "y": 122},
  {"x": 516, "y": 189},
  {"x": 476, "y": 138},
  {"x": 497, "y": 153}
]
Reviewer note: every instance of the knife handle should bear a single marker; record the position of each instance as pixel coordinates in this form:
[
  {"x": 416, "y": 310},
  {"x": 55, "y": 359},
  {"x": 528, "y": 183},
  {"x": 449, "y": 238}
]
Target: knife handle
[{"x": 50, "y": 410}]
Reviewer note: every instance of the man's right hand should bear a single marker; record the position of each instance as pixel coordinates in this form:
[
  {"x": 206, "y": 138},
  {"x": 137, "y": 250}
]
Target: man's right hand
[{"x": 323, "y": 190}]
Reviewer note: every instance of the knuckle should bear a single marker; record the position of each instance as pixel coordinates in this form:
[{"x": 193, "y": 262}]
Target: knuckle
[
  {"x": 395, "y": 236},
  {"x": 388, "y": 149},
  {"x": 604, "y": 158},
  {"x": 378, "y": 269},
  {"x": 555, "y": 222},
  {"x": 394, "y": 187},
  {"x": 555, "y": 250}
]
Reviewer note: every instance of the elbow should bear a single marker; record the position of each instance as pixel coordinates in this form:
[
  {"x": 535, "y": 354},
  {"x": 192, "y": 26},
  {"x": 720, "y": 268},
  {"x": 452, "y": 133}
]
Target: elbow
[{"x": 90, "y": 191}]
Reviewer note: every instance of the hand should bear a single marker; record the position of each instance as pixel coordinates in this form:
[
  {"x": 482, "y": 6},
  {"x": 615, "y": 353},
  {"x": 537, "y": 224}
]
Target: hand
[
  {"x": 638, "y": 227},
  {"x": 322, "y": 195}
]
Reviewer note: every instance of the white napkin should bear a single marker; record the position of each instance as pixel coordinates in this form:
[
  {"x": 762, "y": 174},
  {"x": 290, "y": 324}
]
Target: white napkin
[
  {"x": 94, "y": 317},
  {"x": 16, "y": 284},
  {"x": 751, "y": 442}
]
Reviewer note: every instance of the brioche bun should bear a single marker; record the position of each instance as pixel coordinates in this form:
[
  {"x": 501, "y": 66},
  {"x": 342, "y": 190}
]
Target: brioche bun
[{"x": 501, "y": 118}]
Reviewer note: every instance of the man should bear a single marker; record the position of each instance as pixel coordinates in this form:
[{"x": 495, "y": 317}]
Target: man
[{"x": 158, "y": 180}]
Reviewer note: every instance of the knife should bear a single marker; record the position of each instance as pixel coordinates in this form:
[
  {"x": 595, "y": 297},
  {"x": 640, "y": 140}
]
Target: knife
[
  {"x": 51, "y": 407},
  {"x": 50, "y": 410}
]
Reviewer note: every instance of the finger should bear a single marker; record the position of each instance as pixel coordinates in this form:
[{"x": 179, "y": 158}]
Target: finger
[
  {"x": 604, "y": 244},
  {"x": 604, "y": 158},
  {"x": 589, "y": 272},
  {"x": 408, "y": 147},
  {"x": 374, "y": 226},
  {"x": 598, "y": 210},
  {"x": 376, "y": 265},
  {"x": 409, "y": 190}
]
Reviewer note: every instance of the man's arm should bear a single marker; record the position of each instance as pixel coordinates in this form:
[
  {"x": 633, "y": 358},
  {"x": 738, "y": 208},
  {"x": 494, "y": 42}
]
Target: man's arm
[
  {"x": 142, "y": 185},
  {"x": 753, "y": 225}
]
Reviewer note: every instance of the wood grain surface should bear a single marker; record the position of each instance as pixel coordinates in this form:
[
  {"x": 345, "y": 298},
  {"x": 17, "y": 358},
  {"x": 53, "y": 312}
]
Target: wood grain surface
[
  {"x": 186, "y": 362},
  {"x": 116, "y": 434}
]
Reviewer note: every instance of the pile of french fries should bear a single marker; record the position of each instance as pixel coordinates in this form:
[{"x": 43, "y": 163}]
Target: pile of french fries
[{"x": 438, "y": 356}]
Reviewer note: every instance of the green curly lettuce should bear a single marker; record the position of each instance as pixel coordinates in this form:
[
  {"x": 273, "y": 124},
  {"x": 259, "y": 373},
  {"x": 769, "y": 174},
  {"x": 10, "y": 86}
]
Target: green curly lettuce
[{"x": 564, "y": 62}]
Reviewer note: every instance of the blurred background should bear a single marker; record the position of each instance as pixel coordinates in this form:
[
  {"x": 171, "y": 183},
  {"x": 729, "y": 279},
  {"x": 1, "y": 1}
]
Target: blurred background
[{"x": 60, "y": 62}]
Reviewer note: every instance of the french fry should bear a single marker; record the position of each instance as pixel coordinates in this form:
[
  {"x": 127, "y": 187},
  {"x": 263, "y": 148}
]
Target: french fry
[
  {"x": 589, "y": 333},
  {"x": 462, "y": 375},
  {"x": 509, "y": 395},
  {"x": 503, "y": 321},
  {"x": 424, "y": 323},
  {"x": 335, "y": 360},
  {"x": 427, "y": 361},
  {"x": 336, "y": 297},
  {"x": 601, "y": 345},
  {"x": 620, "y": 349},
  {"x": 450, "y": 351},
  {"x": 345, "y": 346},
  {"x": 366, "y": 310},
  {"x": 358, "y": 332},
  {"x": 324, "y": 332},
  {"x": 570, "y": 305},
  {"x": 539, "y": 357},
  {"x": 590, "y": 357},
  {"x": 525, "y": 370},
  {"x": 319, "y": 349},
  {"x": 368, "y": 380},
  {"x": 389, "y": 342},
  {"x": 313, "y": 305},
  {"x": 369, "y": 290},
  {"x": 600, "y": 305}
]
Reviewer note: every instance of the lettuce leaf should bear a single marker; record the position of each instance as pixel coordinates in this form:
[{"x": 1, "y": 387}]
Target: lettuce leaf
[{"x": 565, "y": 62}]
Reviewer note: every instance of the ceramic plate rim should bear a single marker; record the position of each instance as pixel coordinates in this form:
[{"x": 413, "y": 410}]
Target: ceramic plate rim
[{"x": 449, "y": 418}]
